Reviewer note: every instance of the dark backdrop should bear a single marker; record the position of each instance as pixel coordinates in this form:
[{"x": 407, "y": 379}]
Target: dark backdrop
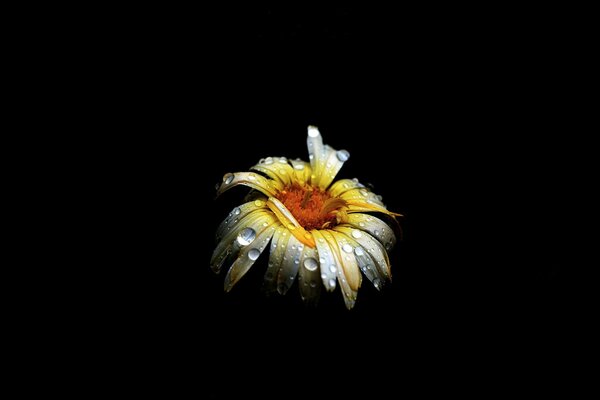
[{"x": 448, "y": 120}]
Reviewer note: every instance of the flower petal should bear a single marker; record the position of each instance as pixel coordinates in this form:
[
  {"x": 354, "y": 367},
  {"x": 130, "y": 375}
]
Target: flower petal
[
  {"x": 348, "y": 260},
  {"x": 316, "y": 154},
  {"x": 229, "y": 246},
  {"x": 237, "y": 214},
  {"x": 374, "y": 226},
  {"x": 355, "y": 206},
  {"x": 372, "y": 246},
  {"x": 327, "y": 261},
  {"x": 256, "y": 181},
  {"x": 344, "y": 277},
  {"x": 302, "y": 171},
  {"x": 366, "y": 264},
  {"x": 288, "y": 220},
  {"x": 343, "y": 185},
  {"x": 362, "y": 195},
  {"x": 278, "y": 248},
  {"x": 333, "y": 162},
  {"x": 289, "y": 267},
  {"x": 249, "y": 255},
  {"x": 309, "y": 280},
  {"x": 276, "y": 168}
]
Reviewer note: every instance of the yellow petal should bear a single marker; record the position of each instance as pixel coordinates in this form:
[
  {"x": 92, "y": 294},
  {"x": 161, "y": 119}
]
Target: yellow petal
[
  {"x": 289, "y": 266},
  {"x": 276, "y": 168},
  {"x": 278, "y": 247},
  {"x": 288, "y": 220},
  {"x": 324, "y": 160},
  {"x": 309, "y": 279},
  {"x": 374, "y": 226},
  {"x": 327, "y": 261},
  {"x": 267, "y": 186},
  {"x": 302, "y": 171},
  {"x": 344, "y": 277},
  {"x": 237, "y": 214}
]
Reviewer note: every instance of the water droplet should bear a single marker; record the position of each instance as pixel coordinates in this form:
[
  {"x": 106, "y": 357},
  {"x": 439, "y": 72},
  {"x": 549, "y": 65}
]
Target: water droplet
[
  {"x": 379, "y": 197},
  {"x": 265, "y": 224},
  {"x": 228, "y": 178},
  {"x": 259, "y": 203},
  {"x": 345, "y": 185},
  {"x": 376, "y": 282},
  {"x": 364, "y": 192},
  {"x": 310, "y": 156},
  {"x": 332, "y": 269},
  {"x": 253, "y": 254},
  {"x": 246, "y": 236},
  {"x": 355, "y": 180},
  {"x": 293, "y": 247},
  {"x": 323, "y": 276},
  {"x": 359, "y": 251},
  {"x": 332, "y": 282},
  {"x": 282, "y": 171},
  {"x": 310, "y": 264},
  {"x": 217, "y": 186},
  {"x": 313, "y": 284},
  {"x": 356, "y": 234},
  {"x": 342, "y": 155},
  {"x": 347, "y": 248},
  {"x": 283, "y": 160},
  {"x": 313, "y": 131},
  {"x": 321, "y": 260},
  {"x": 376, "y": 232},
  {"x": 299, "y": 167},
  {"x": 297, "y": 261},
  {"x": 291, "y": 227},
  {"x": 362, "y": 224},
  {"x": 307, "y": 235},
  {"x": 269, "y": 160}
]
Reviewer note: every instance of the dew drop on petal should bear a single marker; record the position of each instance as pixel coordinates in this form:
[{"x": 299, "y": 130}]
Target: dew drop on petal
[
  {"x": 237, "y": 211},
  {"x": 297, "y": 261},
  {"x": 332, "y": 282},
  {"x": 359, "y": 251},
  {"x": 364, "y": 192},
  {"x": 332, "y": 269},
  {"x": 253, "y": 254},
  {"x": 356, "y": 234},
  {"x": 362, "y": 224},
  {"x": 347, "y": 248},
  {"x": 313, "y": 131},
  {"x": 246, "y": 236},
  {"x": 228, "y": 178},
  {"x": 299, "y": 167},
  {"x": 269, "y": 160},
  {"x": 342, "y": 155},
  {"x": 259, "y": 203},
  {"x": 265, "y": 224},
  {"x": 282, "y": 160},
  {"x": 376, "y": 282},
  {"x": 323, "y": 276},
  {"x": 310, "y": 264},
  {"x": 291, "y": 227},
  {"x": 355, "y": 180}
]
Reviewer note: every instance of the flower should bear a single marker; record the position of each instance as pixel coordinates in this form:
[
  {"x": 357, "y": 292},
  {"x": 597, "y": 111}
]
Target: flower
[{"x": 320, "y": 231}]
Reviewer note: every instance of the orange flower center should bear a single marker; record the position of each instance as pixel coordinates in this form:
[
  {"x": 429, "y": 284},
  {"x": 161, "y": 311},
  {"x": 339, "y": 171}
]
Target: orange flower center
[{"x": 312, "y": 207}]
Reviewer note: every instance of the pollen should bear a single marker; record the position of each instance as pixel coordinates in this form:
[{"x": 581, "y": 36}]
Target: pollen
[{"x": 312, "y": 207}]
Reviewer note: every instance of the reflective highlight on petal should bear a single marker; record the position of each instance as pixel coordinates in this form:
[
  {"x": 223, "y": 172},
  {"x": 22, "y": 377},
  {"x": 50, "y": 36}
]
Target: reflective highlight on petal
[{"x": 267, "y": 186}]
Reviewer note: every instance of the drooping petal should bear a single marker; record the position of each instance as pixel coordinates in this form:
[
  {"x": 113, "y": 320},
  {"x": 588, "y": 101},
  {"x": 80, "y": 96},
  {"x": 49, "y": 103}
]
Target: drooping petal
[
  {"x": 309, "y": 279},
  {"x": 366, "y": 264},
  {"x": 289, "y": 267},
  {"x": 348, "y": 260},
  {"x": 276, "y": 168},
  {"x": 376, "y": 227},
  {"x": 256, "y": 181},
  {"x": 372, "y": 246},
  {"x": 327, "y": 262},
  {"x": 249, "y": 255},
  {"x": 278, "y": 248},
  {"x": 237, "y": 214},
  {"x": 288, "y": 220},
  {"x": 236, "y": 238},
  {"x": 344, "y": 277}
]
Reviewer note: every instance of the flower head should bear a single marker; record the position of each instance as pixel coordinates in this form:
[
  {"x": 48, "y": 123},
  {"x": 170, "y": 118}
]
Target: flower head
[{"x": 319, "y": 230}]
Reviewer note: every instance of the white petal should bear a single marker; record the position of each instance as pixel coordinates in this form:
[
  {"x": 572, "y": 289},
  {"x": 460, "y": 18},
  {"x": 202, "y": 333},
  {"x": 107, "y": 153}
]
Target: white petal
[
  {"x": 376, "y": 227},
  {"x": 290, "y": 265},
  {"x": 248, "y": 256},
  {"x": 309, "y": 276},
  {"x": 237, "y": 214},
  {"x": 343, "y": 276},
  {"x": 327, "y": 262},
  {"x": 278, "y": 247},
  {"x": 255, "y": 181},
  {"x": 228, "y": 246}
]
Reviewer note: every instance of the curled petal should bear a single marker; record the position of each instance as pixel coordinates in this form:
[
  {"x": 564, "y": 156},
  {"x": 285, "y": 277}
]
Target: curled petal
[
  {"x": 302, "y": 171},
  {"x": 362, "y": 195},
  {"x": 344, "y": 185},
  {"x": 256, "y": 181},
  {"x": 348, "y": 275},
  {"x": 288, "y": 220},
  {"x": 359, "y": 206}
]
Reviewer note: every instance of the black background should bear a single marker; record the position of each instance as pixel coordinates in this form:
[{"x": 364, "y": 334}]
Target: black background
[{"x": 449, "y": 119}]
